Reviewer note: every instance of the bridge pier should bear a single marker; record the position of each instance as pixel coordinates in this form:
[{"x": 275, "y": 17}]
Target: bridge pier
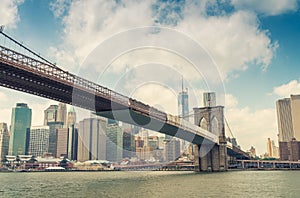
[{"x": 210, "y": 158}]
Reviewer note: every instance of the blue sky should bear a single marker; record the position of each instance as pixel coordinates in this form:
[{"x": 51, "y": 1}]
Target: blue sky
[{"x": 254, "y": 45}]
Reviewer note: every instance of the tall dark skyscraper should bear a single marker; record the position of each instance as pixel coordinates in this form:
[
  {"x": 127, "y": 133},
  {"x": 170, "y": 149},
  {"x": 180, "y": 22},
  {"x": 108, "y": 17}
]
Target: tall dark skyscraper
[{"x": 20, "y": 124}]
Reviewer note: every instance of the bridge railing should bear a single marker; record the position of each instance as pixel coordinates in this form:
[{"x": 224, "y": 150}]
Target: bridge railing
[
  {"x": 186, "y": 125},
  {"x": 53, "y": 71}
]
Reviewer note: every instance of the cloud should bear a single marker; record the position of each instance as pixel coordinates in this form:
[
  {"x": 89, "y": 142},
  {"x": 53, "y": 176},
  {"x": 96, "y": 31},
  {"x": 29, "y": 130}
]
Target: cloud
[
  {"x": 59, "y": 7},
  {"x": 251, "y": 127},
  {"x": 230, "y": 101},
  {"x": 267, "y": 7},
  {"x": 285, "y": 90},
  {"x": 3, "y": 97},
  {"x": 9, "y": 12},
  {"x": 234, "y": 41}
]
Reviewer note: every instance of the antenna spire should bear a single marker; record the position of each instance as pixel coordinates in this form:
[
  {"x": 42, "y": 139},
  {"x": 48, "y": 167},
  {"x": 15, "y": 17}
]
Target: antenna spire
[{"x": 182, "y": 84}]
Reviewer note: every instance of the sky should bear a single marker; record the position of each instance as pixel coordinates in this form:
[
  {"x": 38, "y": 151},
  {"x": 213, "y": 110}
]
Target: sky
[{"x": 245, "y": 51}]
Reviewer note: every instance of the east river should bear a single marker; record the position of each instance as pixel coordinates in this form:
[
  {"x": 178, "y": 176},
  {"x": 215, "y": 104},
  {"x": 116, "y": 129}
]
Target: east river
[{"x": 151, "y": 184}]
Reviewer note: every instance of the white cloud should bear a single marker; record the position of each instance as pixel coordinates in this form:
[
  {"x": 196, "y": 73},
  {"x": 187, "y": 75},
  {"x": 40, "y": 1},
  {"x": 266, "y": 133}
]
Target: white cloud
[
  {"x": 9, "y": 12},
  {"x": 3, "y": 97},
  {"x": 285, "y": 90},
  {"x": 59, "y": 7},
  {"x": 251, "y": 127},
  {"x": 230, "y": 101},
  {"x": 267, "y": 7},
  {"x": 234, "y": 41}
]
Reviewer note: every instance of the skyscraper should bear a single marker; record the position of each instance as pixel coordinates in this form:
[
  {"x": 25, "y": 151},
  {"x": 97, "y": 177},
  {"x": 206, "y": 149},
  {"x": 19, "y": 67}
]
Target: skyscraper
[
  {"x": 183, "y": 104},
  {"x": 20, "y": 124},
  {"x": 51, "y": 120},
  {"x": 4, "y": 140},
  {"x": 72, "y": 134},
  {"x": 62, "y": 113},
  {"x": 288, "y": 116},
  {"x": 50, "y": 114},
  {"x": 71, "y": 119},
  {"x": 114, "y": 143},
  {"x": 38, "y": 140},
  {"x": 92, "y": 139},
  {"x": 62, "y": 142},
  {"x": 295, "y": 107},
  {"x": 128, "y": 142},
  {"x": 183, "y": 111},
  {"x": 284, "y": 120},
  {"x": 72, "y": 142},
  {"x": 209, "y": 99},
  {"x": 172, "y": 149}
]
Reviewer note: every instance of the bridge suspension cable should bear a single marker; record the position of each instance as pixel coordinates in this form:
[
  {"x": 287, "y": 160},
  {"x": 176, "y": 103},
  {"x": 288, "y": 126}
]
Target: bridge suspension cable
[
  {"x": 24, "y": 47},
  {"x": 228, "y": 127}
]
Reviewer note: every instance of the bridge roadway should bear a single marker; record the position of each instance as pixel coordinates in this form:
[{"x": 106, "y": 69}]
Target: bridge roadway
[{"x": 23, "y": 73}]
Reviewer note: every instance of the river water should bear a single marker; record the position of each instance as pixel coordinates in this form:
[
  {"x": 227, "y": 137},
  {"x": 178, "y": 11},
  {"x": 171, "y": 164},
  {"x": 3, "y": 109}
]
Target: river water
[{"x": 151, "y": 184}]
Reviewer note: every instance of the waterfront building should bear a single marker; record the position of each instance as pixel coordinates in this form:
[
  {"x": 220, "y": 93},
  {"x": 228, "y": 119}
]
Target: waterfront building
[
  {"x": 38, "y": 140},
  {"x": 92, "y": 139},
  {"x": 209, "y": 99},
  {"x": 294, "y": 147},
  {"x": 20, "y": 124},
  {"x": 4, "y": 140},
  {"x": 114, "y": 143}
]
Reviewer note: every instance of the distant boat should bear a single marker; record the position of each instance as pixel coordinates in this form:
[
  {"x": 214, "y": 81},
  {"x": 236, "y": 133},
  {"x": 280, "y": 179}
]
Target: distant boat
[{"x": 55, "y": 169}]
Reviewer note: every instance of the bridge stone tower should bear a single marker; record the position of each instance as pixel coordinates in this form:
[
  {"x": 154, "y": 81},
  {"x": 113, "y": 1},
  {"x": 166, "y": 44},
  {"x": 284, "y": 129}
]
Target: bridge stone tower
[{"x": 211, "y": 156}]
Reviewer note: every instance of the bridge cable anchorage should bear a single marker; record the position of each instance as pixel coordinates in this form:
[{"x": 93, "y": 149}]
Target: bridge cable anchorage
[
  {"x": 228, "y": 127},
  {"x": 26, "y": 48}
]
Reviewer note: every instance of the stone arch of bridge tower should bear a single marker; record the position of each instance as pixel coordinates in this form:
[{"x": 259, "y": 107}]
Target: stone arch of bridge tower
[
  {"x": 203, "y": 123},
  {"x": 214, "y": 117},
  {"x": 215, "y": 126}
]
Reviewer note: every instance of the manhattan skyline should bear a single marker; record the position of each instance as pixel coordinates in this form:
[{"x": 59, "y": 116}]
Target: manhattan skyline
[{"x": 253, "y": 45}]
